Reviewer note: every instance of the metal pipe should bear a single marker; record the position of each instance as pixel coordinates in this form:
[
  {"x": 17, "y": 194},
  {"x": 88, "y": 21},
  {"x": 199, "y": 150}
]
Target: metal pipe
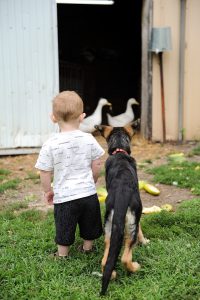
[
  {"x": 160, "y": 54},
  {"x": 181, "y": 68}
]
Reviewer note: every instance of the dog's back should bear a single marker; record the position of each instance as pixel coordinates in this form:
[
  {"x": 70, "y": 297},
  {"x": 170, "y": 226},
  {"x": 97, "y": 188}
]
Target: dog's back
[
  {"x": 123, "y": 205},
  {"x": 123, "y": 208}
]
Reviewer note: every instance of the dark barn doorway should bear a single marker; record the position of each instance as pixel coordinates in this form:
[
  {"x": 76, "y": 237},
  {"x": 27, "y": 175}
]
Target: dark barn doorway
[{"x": 100, "y": 53}]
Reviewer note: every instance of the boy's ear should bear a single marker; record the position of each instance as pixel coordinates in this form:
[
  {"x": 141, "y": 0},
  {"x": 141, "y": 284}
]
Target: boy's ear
[
  {"x": 82, "y": 116},
  {"x": 132, "y": 127},
  {"x": 53, "y": 118},
  {"x": 104, "y": 130}
]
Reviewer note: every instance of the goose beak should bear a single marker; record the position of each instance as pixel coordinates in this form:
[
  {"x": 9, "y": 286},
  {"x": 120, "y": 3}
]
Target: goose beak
[{"x": 137, "y": 103}]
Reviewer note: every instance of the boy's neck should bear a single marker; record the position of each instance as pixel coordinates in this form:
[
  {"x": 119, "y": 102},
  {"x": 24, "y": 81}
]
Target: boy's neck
[{"x": 68, "y": 126}]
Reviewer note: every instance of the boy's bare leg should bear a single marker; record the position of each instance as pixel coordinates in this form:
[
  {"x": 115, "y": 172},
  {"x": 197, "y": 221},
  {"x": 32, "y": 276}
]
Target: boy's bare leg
[
  {"x": 87, "y": 245},
  {"x": 63, "y": 250}
]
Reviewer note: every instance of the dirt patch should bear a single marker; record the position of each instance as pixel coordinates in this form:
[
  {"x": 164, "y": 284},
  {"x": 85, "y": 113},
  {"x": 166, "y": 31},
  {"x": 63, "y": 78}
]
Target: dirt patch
[{"x": 22, "y": 167}]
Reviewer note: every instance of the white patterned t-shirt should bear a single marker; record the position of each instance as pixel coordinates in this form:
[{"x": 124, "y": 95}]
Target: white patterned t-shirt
[{"x": 69, "y": 156}]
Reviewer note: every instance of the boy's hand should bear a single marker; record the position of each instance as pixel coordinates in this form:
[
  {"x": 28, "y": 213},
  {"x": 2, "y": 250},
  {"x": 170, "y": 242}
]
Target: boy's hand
[
  {"x": 49, "y": 197},
  {"x": 96, "y": 168}
]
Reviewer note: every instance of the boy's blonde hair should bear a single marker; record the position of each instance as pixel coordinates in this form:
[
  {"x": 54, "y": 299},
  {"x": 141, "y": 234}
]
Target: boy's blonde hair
[{"x": 67, "y": 106}]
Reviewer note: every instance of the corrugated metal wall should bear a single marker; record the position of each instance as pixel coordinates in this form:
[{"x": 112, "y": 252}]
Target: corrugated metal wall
[{"x": 28, "y": 71}]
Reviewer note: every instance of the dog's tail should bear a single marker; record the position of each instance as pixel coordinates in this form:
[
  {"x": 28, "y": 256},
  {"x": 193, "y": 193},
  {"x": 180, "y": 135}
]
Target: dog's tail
[{"x": 116, "y": 240}]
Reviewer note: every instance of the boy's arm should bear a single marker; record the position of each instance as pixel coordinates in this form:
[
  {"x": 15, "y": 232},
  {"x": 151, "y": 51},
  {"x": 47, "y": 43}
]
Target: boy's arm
[
  {"x": 96, "y": 168},
  {"x": 45, "y": 177}
]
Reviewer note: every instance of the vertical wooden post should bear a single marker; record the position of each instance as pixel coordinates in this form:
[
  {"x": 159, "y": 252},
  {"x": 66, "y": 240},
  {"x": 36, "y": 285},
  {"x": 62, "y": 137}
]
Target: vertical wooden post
[
  {"x": 181, "y": 69},
  {"x": 146, "y": 69}
]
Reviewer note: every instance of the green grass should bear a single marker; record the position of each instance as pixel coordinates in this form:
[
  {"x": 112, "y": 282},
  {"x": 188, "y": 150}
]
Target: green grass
[
  {"x": 18, "y": 205},
  {"x": 102, "y": 172},
  {"x": 2, "y": 177},
  {"x": 170, "y": 264},
  {"x": 4, "y": 172},
  {"x": 196, "y": 150},
  {"x": 148, "y": 161},
  {"x": 185, "y": 175},
  {"x": 6, "y": 183},
  {"x": 9, "y": 184},
  {"x": 33, "y": 175}
]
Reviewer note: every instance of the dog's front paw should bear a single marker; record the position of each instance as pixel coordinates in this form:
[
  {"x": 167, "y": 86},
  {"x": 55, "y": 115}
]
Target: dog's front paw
[
  {"x": 135, "y": 266},
  {"x": 144, "y": 241}
]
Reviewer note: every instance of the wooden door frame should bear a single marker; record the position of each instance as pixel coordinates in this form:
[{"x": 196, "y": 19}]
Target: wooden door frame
[{"x": 146, "y": 70}]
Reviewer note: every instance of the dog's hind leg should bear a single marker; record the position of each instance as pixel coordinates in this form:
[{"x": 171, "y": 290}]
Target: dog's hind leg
[
  {"x": 105, "y": 256},
  {"x": 141, "y": 239},
  {"x": 106, "y": 251},
  {"x": 126, "y": 258},
  {"x": 129, "y": 242},
  {"x": 108, "y": 228}
]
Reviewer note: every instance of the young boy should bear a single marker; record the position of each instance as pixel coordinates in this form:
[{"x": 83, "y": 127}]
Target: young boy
[{"x": 73, "y": 158}]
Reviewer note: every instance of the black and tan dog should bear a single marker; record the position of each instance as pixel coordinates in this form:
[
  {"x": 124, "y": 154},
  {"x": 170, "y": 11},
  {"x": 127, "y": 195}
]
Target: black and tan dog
[{"x": 123, "y": 203}]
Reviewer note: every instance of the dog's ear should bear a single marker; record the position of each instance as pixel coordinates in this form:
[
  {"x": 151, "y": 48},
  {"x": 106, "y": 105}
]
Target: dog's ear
[
  {"x": 132, "y": 127},
  {"x": 104, "y": 130}
]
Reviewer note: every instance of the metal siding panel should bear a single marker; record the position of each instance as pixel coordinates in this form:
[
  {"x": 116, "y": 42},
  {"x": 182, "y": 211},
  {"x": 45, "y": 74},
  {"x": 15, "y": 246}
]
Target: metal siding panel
[{"x": 29, "y": 71}]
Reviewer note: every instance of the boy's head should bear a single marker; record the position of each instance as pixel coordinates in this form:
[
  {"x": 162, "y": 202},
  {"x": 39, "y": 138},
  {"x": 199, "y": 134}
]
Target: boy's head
[{"x": 67, "y": 106}]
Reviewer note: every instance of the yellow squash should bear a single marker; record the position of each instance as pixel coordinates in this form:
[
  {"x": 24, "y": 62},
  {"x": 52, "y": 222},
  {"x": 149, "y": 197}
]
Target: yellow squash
[
  {"x": 141, "y": 184},
  {"x": 151, "y": 189},
  {"x": 102, "y": 194},
  {"x": 151, "y": 210},
  {"x": 167, "y": 207}
]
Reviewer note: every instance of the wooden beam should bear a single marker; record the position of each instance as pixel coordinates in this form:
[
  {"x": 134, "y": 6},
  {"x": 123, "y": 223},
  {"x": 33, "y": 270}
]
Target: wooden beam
[{"x": 146, "y": 70}]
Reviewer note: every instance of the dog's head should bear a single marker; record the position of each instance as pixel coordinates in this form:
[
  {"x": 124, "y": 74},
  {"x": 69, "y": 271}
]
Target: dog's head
[{"x": 118, "y": 137}]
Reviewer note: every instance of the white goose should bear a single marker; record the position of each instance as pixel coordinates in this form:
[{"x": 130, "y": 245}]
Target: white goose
[
  {"x": 87, "y": 125},
  {"x": 124, "y": 118}
]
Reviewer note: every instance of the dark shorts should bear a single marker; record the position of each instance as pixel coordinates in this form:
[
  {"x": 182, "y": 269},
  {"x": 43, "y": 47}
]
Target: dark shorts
[{"x": 85, "y": 212}]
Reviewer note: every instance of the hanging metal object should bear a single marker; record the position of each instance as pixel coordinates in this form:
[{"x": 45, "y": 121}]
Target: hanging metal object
[
  {"x": 161, "y": 42},
  {"x": 160, "y": 39}
]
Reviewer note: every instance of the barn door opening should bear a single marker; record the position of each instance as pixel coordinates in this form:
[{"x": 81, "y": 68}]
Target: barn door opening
[{"x": 100, "y": 52}]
